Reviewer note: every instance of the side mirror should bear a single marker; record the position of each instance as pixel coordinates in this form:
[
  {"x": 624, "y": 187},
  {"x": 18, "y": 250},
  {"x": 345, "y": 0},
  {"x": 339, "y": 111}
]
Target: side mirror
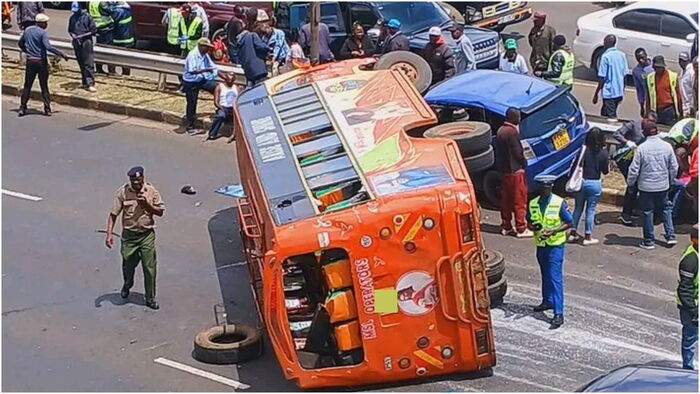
[
  {"x": 373, "y": 33},
  {"x": 690, "y": 37}
]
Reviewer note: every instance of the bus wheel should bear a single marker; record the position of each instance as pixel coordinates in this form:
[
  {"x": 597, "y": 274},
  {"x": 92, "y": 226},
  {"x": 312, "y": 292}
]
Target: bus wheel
[
  {"x": 497, "y": 291},
  {"x": 495, "y": 265},
  {"x": 228, "y": 344},
  {"x": 409, "y": 64}
]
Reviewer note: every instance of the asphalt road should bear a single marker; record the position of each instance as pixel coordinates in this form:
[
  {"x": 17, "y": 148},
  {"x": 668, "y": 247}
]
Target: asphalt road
[
  {"x": 65, "y": 328},
  {"x": 562, "y": 16}
]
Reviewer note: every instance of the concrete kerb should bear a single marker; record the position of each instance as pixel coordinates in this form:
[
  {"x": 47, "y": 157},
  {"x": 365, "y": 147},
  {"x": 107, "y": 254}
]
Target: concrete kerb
[
  {"x": 608, "y": 196},
  {"x": 112, "y": 107}
]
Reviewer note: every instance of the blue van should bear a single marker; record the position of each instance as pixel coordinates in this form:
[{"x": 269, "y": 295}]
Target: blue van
[
  {"x": 552, "y": 129},
  {"x": 416, "y": 18}
]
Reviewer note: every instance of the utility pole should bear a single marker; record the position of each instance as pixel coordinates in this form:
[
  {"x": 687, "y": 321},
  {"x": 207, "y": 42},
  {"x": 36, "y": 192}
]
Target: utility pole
[{"x": 315, "y": 18}]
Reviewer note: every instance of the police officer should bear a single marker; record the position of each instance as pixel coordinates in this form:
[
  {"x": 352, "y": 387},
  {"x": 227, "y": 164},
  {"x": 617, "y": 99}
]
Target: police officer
[
  {"x": 548, "y": 217},
  {"x": 687, "y": 299},
  {"x": 123, "y": 28},
  {"x": 137, "y": 201},
  {"x": 171, "y": 22},
  {"x": 191, "y": 30},
  {"x": 560, "y": 68},
  {"x": 101, "y": 14}
]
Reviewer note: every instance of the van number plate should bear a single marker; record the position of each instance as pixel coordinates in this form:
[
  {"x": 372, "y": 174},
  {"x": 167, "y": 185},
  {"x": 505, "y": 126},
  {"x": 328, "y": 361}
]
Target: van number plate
[
  {"x": 507, "y": 18},
  {"x": 561, "y": 139}
]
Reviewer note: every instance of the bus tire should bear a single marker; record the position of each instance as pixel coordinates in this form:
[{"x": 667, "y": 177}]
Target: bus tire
[
  {"x": 480, "y": 162},
  {"x": 471, "y": 137},
  {"x": 497, "y": 291},
  {"x": 412, "y": 65},
  {"x": 495, "y": 265},
  {"x": 229, "y": 344}
]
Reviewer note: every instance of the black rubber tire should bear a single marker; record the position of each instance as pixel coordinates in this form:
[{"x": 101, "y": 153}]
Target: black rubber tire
[
  {"x": 495, "y": 265},
  {"x": 249, "y": 347},
  {"x": 471, "y": 137},
  {"x": 480, "y": 162},
  {"x": 491, "y": 188},
  {"x": 424, "y": 73},
  {"x": 497, "y": 291},
  {"x": 595, "y": 59}
]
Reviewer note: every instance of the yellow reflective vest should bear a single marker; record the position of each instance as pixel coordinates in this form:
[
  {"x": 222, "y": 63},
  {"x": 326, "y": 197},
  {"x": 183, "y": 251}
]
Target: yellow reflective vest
[
  {"x": 567, "y": 72},
  {"x": 189, "y": 32},
  {"x": 651, "y": 88},
  {"x": 174, "y": 19},
  {"x": 689, "y": 250},
  {"x": 549, "y": 220},
  {"x": 95, "y": 11}
]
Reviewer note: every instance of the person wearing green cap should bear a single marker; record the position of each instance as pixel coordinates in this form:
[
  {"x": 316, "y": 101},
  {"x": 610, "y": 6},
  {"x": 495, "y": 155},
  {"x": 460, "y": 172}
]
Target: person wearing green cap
[{"x": 512, "y": 61}]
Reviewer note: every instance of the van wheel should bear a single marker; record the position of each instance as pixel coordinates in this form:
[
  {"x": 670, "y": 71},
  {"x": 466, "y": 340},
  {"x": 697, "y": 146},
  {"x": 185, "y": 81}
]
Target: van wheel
[
  {"x": 411, "y": 65},
  {"x": 492, "y": 188},
  {"x": 228, "y": 344},
  {"x": 471, "y": 137},
  {"x": 497, "y": 291},
  {"x": 595, "y": 59},
  {"x": 495, "y": 265},
  {"x": 480, "y": 162}
]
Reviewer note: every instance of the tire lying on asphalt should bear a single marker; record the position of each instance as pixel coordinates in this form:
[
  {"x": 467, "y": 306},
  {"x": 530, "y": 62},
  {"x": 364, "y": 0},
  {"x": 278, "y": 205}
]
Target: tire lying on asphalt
[
  {"x": 495, "y": 265},
  {"x": 480, "y": 162},
  {"x": 411, "y": 65},
  {"x": 229, "y": 344},
  {"x": 471, "y": 137},
  {"x": 497, "y": 291},
  {"x": 491, "y": 188}
]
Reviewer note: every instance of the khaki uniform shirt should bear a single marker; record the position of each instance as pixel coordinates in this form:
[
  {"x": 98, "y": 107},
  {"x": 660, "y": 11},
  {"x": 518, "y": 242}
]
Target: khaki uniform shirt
[
  {"x": 542, "y": 44},
  {"x": 134, "y": 217}
]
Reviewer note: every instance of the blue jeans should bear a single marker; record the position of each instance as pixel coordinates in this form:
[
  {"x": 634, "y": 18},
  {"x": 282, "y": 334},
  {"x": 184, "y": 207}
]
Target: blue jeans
[
  {"x": 221, "y": 116},
  {"x": 677, "y": 192},
  {"x": 654, "y": 202},
  {"x": 589, "y": 195},
  {"x": 689, "y": 342},
  {"x": 551, "y": 261}
]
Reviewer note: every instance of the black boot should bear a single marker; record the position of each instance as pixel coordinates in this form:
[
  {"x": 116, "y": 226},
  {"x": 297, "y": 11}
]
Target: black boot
[
  {"x": 124, "y": 293},
  {"x": 153, "y": 304},
  {"x": 22, "y": 111},
  {"x": 557, "y": 322},
  {"x": 542, "y": 307},
  {"x": 47, "y": 111}
]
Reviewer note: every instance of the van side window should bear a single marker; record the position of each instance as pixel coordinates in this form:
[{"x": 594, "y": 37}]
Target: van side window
[
  {"x": 331, "y": 16},
  {"x": 674, "y": 26},
  {"x": 363, "y": 15},
  {"x": 641, "y": 20}
]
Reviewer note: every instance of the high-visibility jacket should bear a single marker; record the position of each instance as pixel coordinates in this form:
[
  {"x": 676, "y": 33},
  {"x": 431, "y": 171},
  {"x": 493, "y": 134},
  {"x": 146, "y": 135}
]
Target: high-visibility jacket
[
  {"x": 567, "y": 71},
  {"x": 550, "y": 220},
  {"x": 684, "y": 130},
  {"x": 102, "y": 21},
  {"x": 689, "y": 250},
  {"x": 651, "y": 88},
  {"x": 124, "y": 30},
  {"x": 174, "y": 17},
  {"x": 189, "y": 31}
]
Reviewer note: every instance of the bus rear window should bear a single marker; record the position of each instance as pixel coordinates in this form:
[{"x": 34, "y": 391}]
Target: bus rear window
[{"x": 543, "y": 120}]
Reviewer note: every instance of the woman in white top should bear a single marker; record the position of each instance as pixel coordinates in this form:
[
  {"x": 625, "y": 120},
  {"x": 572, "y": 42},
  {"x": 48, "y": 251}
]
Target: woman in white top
[
  {"x": 512, "y": 61},
  {"x": 224, "y": 96}
]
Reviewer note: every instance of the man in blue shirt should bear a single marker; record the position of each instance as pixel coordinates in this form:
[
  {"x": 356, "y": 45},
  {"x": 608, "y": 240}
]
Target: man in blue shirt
[
  {"x": 200, "y": 73},
  {"x": 276, "y": 40},
  {"x": 34, "y": 43},
  {"x": 548, "y": 217},
  {"x": 611, "y": 78},
  {"x": 639, "y": 76}
]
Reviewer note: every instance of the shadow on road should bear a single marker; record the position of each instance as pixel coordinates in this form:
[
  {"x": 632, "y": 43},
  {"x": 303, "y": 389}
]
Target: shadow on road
[
  {"x": 519, "y": 311},
  {"x": 116, "y": 299},
  {"x": 614, "y": 239},
  {"x": 264, "y": 373},
  {"x": 95, "y": 126}
]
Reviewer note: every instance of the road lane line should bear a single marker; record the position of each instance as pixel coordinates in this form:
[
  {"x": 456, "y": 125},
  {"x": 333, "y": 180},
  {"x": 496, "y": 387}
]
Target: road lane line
[
  {"x": 525, "y": 381},
  {"x": 204, "y": 374},
  {"x": 240, "y": 263},
  {"x": 21, "y": 195}
]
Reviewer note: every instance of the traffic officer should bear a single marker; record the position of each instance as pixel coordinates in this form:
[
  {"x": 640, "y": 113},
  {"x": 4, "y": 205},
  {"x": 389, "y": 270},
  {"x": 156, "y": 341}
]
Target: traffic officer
[
  {"x": 123, "y": 28},
  {"x": 548, "y": 217},
  {"x": 101, "y": 14},
  {"x": 137, "y": 201},
  {"x": 190, "y": 30},
  {"x": 687, "y": 299},
  {"x": 171, "y": 22},
  {"x": 663, "y": 94},
  {"x": 560, "y": 68}
]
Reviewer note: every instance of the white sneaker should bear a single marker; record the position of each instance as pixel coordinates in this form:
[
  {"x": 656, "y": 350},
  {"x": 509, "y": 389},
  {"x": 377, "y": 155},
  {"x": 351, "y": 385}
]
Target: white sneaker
[
  {"x": 92, "y": 89},
  {"x": 525, "y": 234},
  {"x": 507, "y": 233},
  {"x": 592, "y": 241}
]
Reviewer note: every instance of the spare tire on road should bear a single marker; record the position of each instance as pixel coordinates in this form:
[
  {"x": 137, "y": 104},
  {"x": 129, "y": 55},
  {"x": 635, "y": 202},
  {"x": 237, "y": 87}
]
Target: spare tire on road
[
  {"x": 471, "y": 137},
  {"x": 228, "y": 344},
  {"x": 480, "y": 162},
  {"x": 495, "y": 265},
  {"x": 411, "y": 65},
  {"x": 497, "y": 291}
]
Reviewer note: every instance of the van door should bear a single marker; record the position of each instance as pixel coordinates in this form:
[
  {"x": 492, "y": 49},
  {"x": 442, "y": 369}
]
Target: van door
[
  {"x": 331, "y": 15},
  {"x": 674, "y": 30},
  {"x": 638, "y": 28},
  {"x": 147, "y": 20}
]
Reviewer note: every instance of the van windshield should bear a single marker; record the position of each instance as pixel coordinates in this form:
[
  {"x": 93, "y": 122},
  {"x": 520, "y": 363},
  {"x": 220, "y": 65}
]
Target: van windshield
[
  {"x": 413, "y": 15},
  {"x": 543, "y": 120}
]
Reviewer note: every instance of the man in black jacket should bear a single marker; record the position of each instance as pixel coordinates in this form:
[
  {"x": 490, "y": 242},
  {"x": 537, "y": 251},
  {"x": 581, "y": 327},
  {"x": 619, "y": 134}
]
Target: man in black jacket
[
  {"x": 396, "y": 41},
  {"x": 81, "y": 28},
  {"x": 687, "y": 299},
  {"x": 439, "y": 56}
]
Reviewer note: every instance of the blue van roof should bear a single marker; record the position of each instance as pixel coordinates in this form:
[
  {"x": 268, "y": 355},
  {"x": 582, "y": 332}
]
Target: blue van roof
[{"x": 495, "y": 91}]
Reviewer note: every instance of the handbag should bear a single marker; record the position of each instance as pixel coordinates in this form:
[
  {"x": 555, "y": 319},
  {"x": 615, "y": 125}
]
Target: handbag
[{"x": 575, "y": 181}]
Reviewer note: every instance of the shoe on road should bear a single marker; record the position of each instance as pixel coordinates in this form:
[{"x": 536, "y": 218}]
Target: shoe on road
[
  {"x": 670, "y": 241},
  {"x": 592, "y": 241},
  {"x": 91, "y": 89},
  {"x": 124, "y": 293},
  {"x": 22, "y": 112},
  {"x": 507, "y": 233},
  {"x": 626, "y": 220},
  {"x": 647, "y": 246},
  {"x": 557, "y": 322},
  {"x": 542, "y": 307},
  {"x": 525, "y": 234},
  {"x": 153, "y": 304},
  {"x": 573, "y": 238}
]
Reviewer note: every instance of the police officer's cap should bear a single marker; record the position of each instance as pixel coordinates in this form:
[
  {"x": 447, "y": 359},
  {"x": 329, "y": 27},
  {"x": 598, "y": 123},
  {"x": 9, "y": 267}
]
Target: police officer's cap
[
  {"x": 545, "y": 180},
  {"x": 135, "y": 172}
]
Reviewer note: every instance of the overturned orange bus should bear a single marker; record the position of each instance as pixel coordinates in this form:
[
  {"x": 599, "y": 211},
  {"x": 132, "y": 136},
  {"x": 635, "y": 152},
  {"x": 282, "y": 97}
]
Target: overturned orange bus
[{"x": 362, "y": 243}]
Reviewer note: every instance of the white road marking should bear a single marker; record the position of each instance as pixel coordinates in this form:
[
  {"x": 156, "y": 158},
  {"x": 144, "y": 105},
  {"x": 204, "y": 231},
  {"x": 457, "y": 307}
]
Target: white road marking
[
  {"x": 21, "y": 195},
  {"x": 204, "y": 374},
  {"x": 240, "y": 263},
  {"x": 525, "y": 381}
]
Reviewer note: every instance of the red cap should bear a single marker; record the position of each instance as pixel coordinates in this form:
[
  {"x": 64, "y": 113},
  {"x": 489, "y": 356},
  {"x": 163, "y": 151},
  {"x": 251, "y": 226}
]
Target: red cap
[{"x": 539, "y": 16}]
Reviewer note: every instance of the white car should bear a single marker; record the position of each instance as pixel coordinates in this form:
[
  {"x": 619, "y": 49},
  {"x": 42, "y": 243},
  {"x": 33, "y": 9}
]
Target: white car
[{"x": 661, "y": 28}]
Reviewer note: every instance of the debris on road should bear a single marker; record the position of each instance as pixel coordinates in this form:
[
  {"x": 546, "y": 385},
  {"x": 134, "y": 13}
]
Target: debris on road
[{"x": 235, "y": 190}]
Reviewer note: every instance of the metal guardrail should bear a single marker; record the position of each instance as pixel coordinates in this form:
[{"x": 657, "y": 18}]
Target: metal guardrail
[{"x": 160, "y": 63}]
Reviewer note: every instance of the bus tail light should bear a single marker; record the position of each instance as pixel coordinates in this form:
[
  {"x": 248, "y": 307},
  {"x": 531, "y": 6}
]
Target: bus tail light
[
  {"x": 482, "y": 341},
  {"x": 466, "y": 227},
  {"x": 527, "y": 150}
]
